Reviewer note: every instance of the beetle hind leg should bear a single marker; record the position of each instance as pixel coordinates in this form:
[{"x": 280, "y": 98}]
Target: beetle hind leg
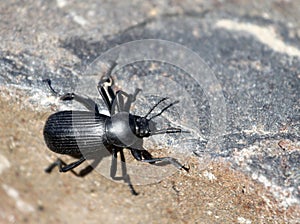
[
  {"x": 58, "y": 163},
  {"x": 85, "y": 101},
  {"x": 63, "y": 167},
  {"x": 48, "y": 81}
]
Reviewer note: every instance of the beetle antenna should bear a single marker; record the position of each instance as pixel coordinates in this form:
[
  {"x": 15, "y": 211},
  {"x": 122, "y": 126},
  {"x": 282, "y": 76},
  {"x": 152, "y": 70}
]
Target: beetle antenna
[
  {"x": 163, "y": 110},
  {"x": 48, "y": 81},
  {"x": 149, "y": 112},
  {"x": 168, "y": 131}
]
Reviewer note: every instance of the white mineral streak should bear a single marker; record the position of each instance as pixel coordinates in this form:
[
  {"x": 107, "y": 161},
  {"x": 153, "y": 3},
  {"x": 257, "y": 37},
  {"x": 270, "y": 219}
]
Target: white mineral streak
[
  {"x": 209, "y": 175},
  {"x": 266, "y": 35},
  {"x": 20, "y": 204},
  {"x": 4, "y": 163}
]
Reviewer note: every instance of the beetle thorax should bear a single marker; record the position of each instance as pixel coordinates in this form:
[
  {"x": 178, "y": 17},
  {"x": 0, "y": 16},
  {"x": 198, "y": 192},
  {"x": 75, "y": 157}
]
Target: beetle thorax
[{"x": 120, "y": 130}]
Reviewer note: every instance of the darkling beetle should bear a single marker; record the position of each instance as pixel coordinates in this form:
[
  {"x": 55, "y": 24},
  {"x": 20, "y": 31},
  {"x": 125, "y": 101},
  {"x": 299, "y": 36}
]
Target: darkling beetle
[{"x": 100, "y": 132}]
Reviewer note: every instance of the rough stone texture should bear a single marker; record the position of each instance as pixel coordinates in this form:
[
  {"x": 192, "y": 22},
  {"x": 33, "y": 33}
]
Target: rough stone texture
[{"x": 252, "y": 48}]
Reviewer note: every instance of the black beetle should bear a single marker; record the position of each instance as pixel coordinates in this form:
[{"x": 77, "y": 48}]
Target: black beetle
[{"x": 82, "y": 133}]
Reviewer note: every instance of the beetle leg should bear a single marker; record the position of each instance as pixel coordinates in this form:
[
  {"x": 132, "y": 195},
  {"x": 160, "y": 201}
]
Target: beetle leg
[
  {"x": 48, "y": 81},
  {"x": 146, "y": 154},
  {"x": 87, "y": 102},
  {"x": 124, "y": 105},
  {"x": 63, "y": 167},
  {"x": 140, "y": 154},
  {"x": 113, "y": 170},
  {"x": 58, "y": 163},
  {"x": 71, "y": 165},
  {"x": 137, "y": 154},
  {"x": 125, "y": 175},
  {"x": 105, "y": 88},
  {"x": 118, "y": 103},
  {"x": 89, "y": 168},
  {"x": 107, "y": 93}
]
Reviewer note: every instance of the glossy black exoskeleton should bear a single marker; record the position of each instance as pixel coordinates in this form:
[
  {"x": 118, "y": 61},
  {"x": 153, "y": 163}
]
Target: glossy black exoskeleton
[{"x": 83, "y": 133}]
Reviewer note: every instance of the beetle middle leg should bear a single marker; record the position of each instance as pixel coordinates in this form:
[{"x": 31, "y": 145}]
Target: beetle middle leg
[
  {"x": 105, "y": 88},
  {"x": 113, "y": 169}
]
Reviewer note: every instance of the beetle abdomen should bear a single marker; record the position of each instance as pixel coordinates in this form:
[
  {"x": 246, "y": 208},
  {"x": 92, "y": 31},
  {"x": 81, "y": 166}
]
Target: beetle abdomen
[{"x": 75, "y": 132}]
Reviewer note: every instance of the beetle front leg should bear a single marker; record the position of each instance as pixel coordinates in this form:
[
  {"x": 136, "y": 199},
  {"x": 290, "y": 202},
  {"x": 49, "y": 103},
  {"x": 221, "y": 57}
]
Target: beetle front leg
[{"x": 138, "y": 155}]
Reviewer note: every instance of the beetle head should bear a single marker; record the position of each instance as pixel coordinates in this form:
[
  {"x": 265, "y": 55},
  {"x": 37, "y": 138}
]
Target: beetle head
[{"x": 142, "y": 126}]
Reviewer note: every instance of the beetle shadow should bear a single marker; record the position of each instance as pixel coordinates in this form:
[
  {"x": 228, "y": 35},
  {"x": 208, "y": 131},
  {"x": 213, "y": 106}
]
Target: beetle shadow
[
  {"x": 83, "y": 172},
  {"x": 88, "y": 169}
]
